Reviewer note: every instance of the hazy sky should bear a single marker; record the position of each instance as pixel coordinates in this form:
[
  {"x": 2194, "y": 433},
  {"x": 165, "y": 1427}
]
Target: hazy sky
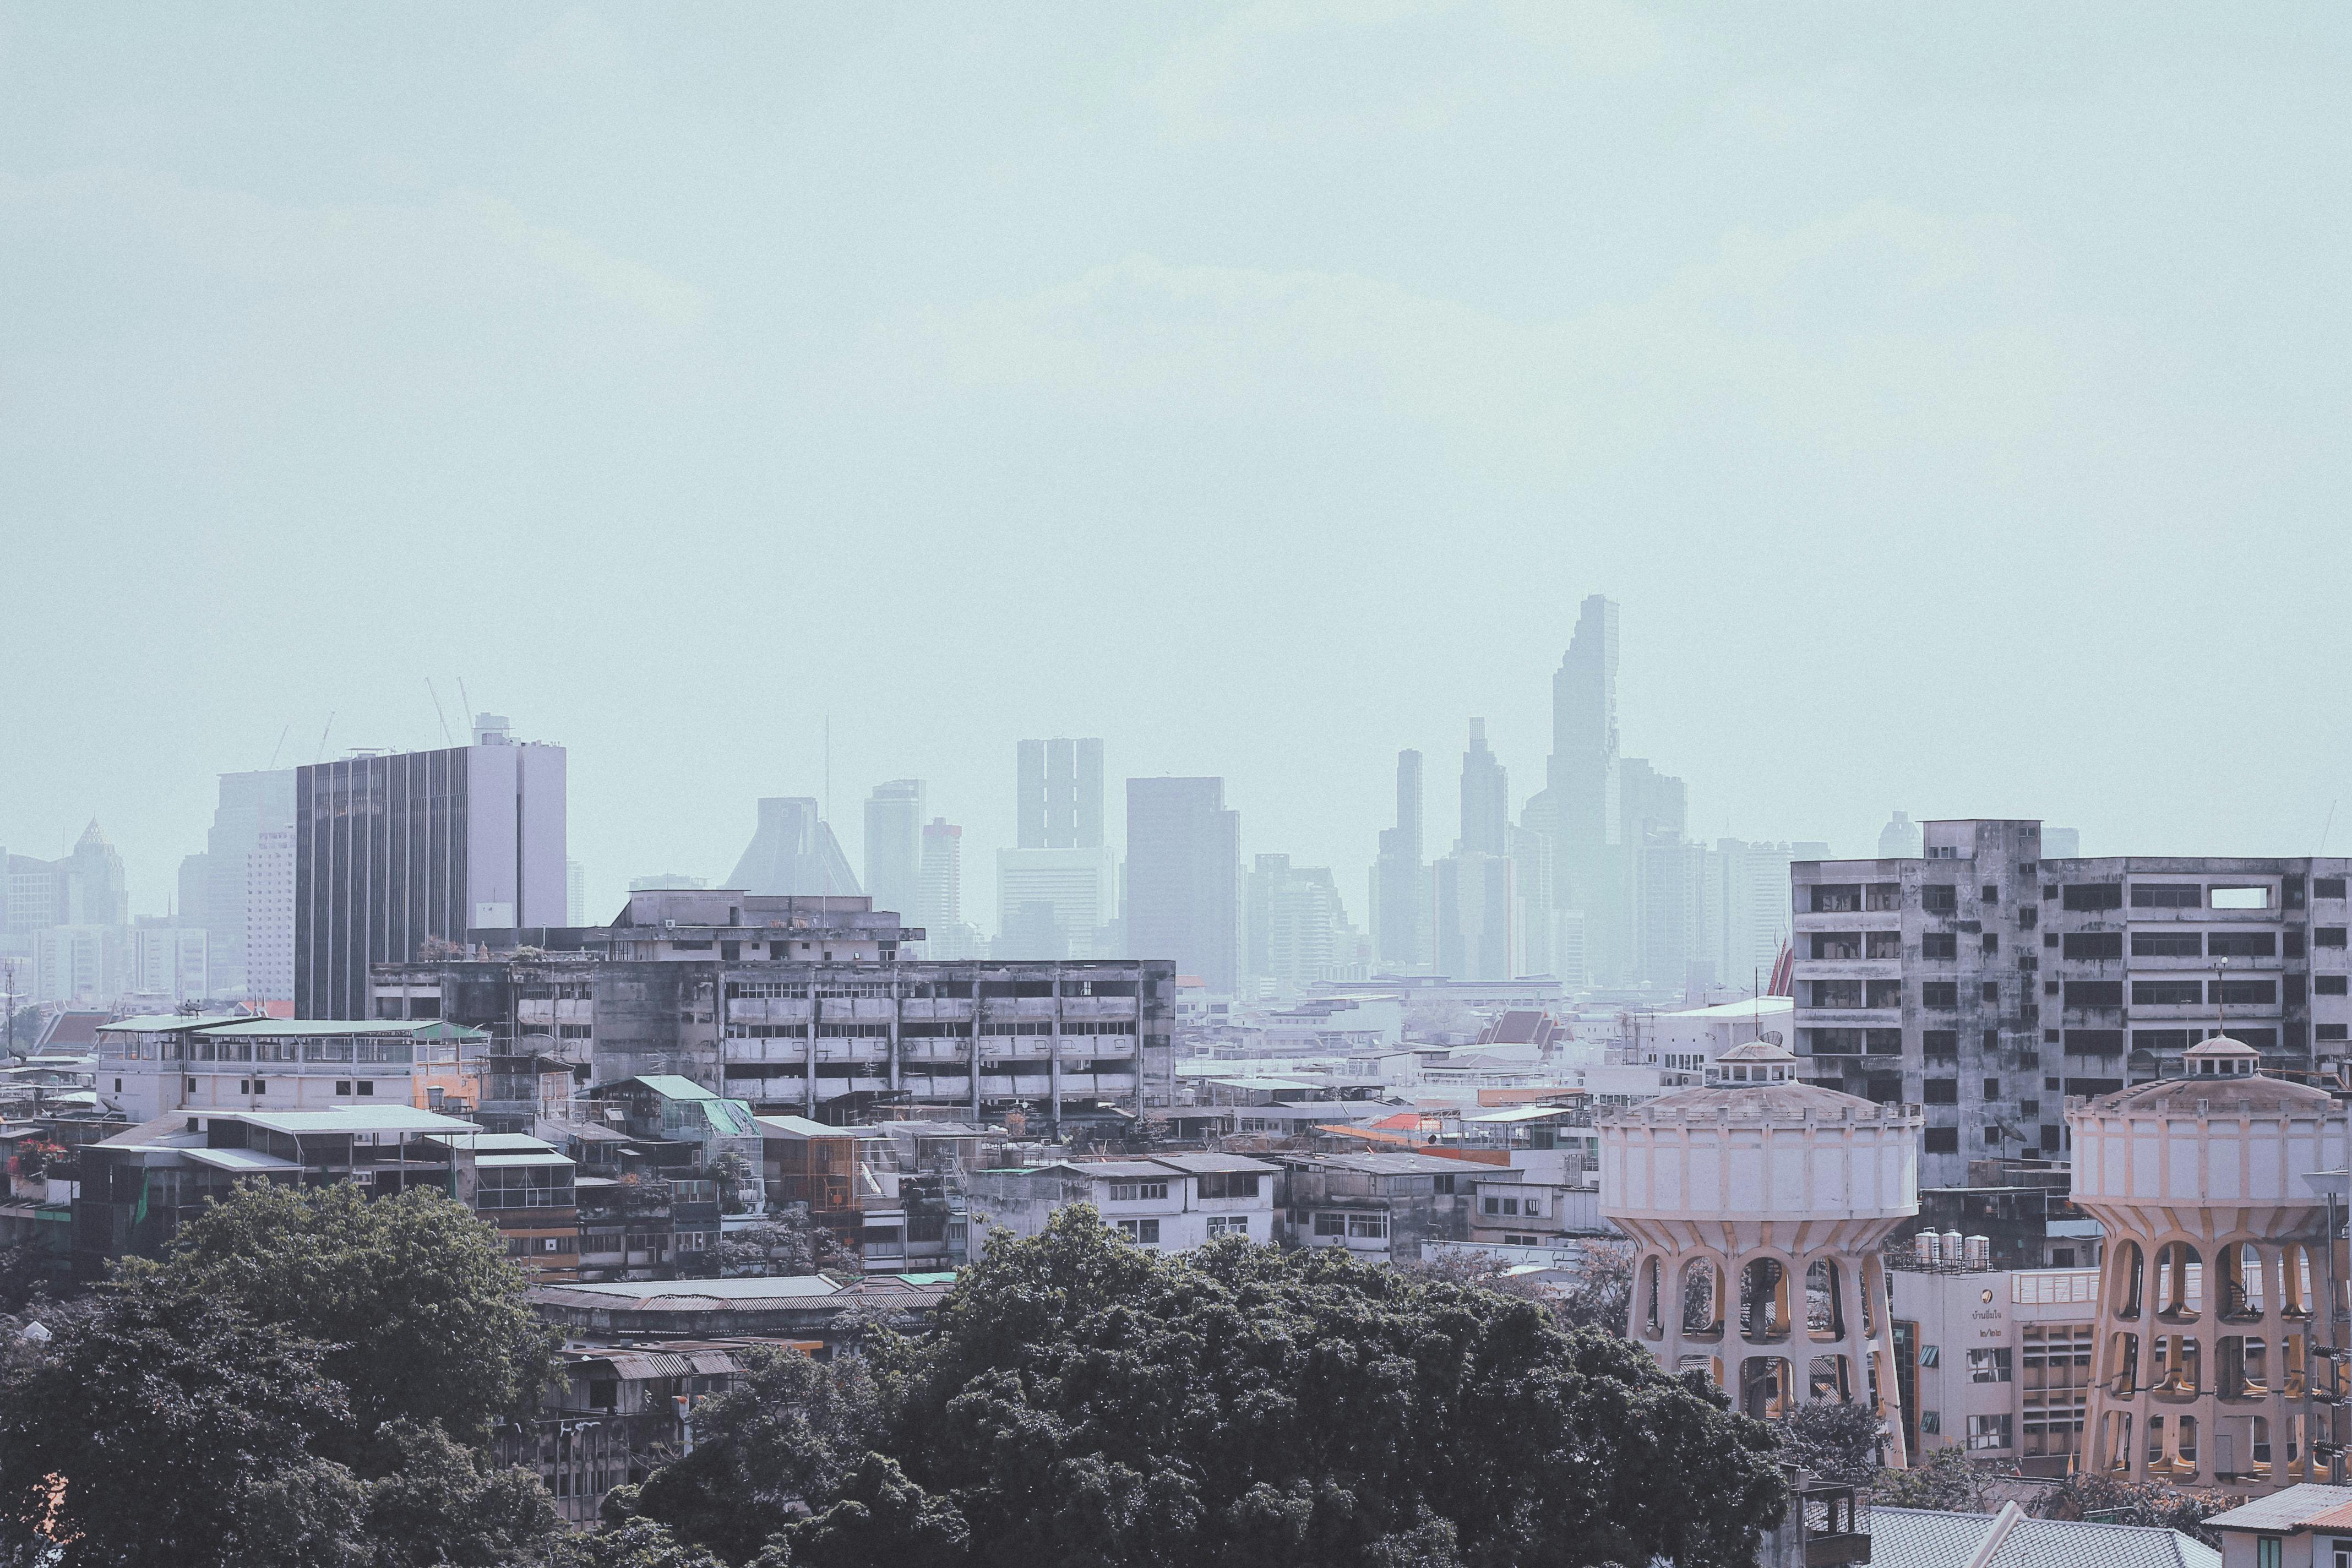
[{"x": 1955, "y": 397}]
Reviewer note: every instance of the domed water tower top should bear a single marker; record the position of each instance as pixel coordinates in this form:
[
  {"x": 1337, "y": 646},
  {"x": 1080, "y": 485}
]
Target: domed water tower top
[
  {"x": 1755, "y": 1144},
  {"x": 2222, "y": 1135}
]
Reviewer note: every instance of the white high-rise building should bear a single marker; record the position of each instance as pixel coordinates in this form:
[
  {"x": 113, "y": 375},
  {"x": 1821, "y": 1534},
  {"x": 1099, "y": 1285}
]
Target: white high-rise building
[
  {"x": 938, "y": 895},
  {"x": 269, "y": 918}
]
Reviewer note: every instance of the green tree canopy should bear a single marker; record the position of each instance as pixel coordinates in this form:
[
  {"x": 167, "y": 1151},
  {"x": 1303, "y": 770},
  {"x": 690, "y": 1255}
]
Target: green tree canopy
[
  {"x": 159, "y": 1427},
  {"x": 424, "y": 1316},
  {"x": 1084, "y": 1402}
]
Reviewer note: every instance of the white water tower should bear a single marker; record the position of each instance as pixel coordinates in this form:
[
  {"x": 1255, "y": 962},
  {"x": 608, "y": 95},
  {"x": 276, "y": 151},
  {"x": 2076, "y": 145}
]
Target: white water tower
[
  {"x": 1758, "y": 1204},
  {"x": 2220, "y": 1305}
]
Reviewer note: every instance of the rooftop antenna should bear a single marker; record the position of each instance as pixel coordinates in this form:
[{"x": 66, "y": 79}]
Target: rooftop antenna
[
  {"x": 463, "y": 697},
  {"x": 280, "y": 747},
  {"x": 2326, "y": 826},
  {"x": 322, "y": 737},
  {"x": 436, "y": 711}
]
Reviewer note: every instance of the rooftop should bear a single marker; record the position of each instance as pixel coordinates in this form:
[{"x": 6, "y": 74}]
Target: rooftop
[
  {"x": 2292, "y": 1509},
  {"x": 1920, "y": 1538}
]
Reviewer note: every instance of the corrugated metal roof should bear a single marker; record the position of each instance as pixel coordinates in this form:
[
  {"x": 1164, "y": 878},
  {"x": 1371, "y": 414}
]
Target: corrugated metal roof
[
  {"x": 1213, "y": 1165},
  {"x": 1920, "y": 1538},
  {"x": 673, "y": 1086},
  {"x": 350, "y": 1118},
  {"x": 242, "y": 1160},
  {"x": 170, "y": 1023},
  {"x": 2297, "y": 1506}
]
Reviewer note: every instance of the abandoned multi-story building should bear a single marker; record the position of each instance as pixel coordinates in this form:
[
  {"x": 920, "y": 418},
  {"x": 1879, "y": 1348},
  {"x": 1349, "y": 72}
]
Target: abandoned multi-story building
[
  {"x": 1988, "y": 982},
  {"x": 804, "y": 1004}
]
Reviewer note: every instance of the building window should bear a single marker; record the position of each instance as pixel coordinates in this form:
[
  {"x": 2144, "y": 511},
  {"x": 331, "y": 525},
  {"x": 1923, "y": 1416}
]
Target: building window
[
  {"x": 1229, "y": 1225},
  {"x": 1229, "y": 1184},
  {"x": 2093, "y": 896},
  {"x": 2167, "y": 944},
  {"x": 1368, "y": 1226},
  {"x": 2166, "y": 896},
  {"x": 2240, "y": 944},
  {"x": 1510, "y": 1240},
  {"x": 2321, "y": 985},
  {"x": 1988, "y": 1431},
  {"x": 2093, "y": 944},
  {"x": 2168, "y": 993},
  {"x": 343, "y": 1088},
  {"x": 2328, "y": 886},
  {"x": 1138, "y": 1192},
  {"x": 1330, "y": 1224},
  {"x": 1942, "y": 1141},
  {"x": 1939, "y": 944},
  {"x": 2327, "y": 1032},
  {"x": 1990, "y": 990},
  {"x": 1939, "y": 897},
  {"x": 2095, "y": 993},
  {"x": 1940, "y": 1091},
  {"x": 1939, "y": 1043},
  {"x": 1142, "y": 1232},
  {"x": 2246, "y": 993},
  {"x": 2269, "y": 1551},
  {"x": 1989, "y": 1365},
  {"x": 2327, "y": 936},
  {"x": 1992, "y": 1137},
  {"x": 1991, "y": 943},
  {"x": 1941, "y": 994}
]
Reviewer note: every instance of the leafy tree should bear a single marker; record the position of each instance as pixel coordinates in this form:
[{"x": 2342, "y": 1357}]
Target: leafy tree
[
  {"x": 1603, "y": 1296},
  {"x": 425, "y": 1315},
  {"x": 790, "y": 1242},
  {"x": 163, "y": 1426},
  {"x": 2088, "y": 1494},
  {"x": 1835, "y": 1440},
  {"x": 881, "y": 1519},
  {"x": 1083, "y": 1400},
  {"x": 733, "y": 1173},
  {"x": 440, "y": 1503},
  {"x": 631, "y": 1543},
  {"x": 1943, "y": 1480},
  {"x": 789, "y": 1432}
]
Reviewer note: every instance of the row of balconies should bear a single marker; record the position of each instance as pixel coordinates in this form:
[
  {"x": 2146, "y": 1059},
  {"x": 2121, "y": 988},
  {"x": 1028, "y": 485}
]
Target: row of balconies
[
  {"x": 925, "y": 1010},
  {"x": 942, "y": 1085},
  {"x": 993, "y": 1048}
]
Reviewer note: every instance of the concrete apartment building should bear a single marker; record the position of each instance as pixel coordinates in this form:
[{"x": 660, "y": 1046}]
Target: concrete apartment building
[
  {"x": 1996, "y": 1361},
  {"x": 793, "y": 1004},
  {"x": 393, "y": 852},
  {"x": 1988, "y": 980}
]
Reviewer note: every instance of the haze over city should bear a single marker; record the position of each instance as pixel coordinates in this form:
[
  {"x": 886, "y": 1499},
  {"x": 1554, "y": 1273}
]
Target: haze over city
[{"x": 1949, "y": 399}]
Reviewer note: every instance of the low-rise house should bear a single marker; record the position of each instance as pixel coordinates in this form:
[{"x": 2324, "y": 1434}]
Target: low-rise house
[
  {"x": 819, "y": 1166},
  {"x": 1380, "y": 1206},
  {"x": 1924, "y": 1538},
  {"x": 150, "y": 1066},
  {"x": 2308, "y": 1525},
  {"x": 525, "y": 1188},
  {"x": 618, "y": 1413},
  {"x": 137, "y": 1186},
  {"x": 1168, "y": 1203},
  {"x": 811, "y": 1306}
]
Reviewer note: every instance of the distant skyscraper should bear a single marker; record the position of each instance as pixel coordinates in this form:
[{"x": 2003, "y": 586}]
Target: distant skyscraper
[
  {"x": 1899, "y": 839},
  {"x": 392, "y": 851},
  {"x": 268, "y": 945},
  {"x": 940, "y": 899},
  {"x": 793, "y": 853},
  {"x": 1295, "y": 930},
  {"x": 575, "y": 893},
  {"x": 1077, "y": 888},
  {"x": 250, "y": 805},
  {"x": 1184, "y": 867},
  {"x": 1579, "y": 800},
  {"x": 1486, "y": 796},
  {"x": 1476, "y": 905},
  {"x": 938, "y": 902},
  {"x": 1060, "y": 795},
  {"x": 893, "y": 846},
  {"x": 1400, "y": 904}
]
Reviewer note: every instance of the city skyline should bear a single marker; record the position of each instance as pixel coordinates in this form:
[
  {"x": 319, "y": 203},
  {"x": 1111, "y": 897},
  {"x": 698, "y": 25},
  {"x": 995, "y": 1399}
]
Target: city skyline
[{"x": 1884, "y": 387}]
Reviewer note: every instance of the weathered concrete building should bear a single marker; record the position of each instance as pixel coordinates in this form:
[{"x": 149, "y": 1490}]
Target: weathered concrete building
[
  {"x": 794, "y": 1004},
  {"x": 1987, "y": 980},
  {"x": 1171, "y": 1202}
]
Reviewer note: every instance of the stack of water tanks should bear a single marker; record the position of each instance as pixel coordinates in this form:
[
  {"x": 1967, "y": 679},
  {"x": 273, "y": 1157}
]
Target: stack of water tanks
[{"x": 1950, "y": 1249}]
